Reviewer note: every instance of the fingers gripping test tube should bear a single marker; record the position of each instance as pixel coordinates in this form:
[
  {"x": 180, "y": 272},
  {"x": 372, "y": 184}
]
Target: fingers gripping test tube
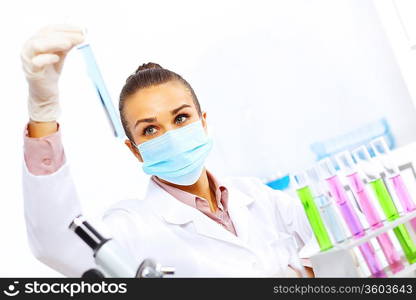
[
  {"x": 101, "y": 89},
  {"x": 351, "y": 218},
  {"x": 372, "y": 172},
  {"x": 347, "y": 165}
]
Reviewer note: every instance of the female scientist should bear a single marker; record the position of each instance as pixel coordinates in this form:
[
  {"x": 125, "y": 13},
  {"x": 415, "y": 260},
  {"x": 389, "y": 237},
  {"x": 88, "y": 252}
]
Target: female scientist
[{"x": 189, "y": 219}]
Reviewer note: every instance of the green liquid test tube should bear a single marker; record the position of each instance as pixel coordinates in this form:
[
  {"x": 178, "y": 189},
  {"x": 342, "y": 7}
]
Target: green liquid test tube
[
  {"x": 390, "y": 210},
  {"x": 318, "y": 227},
  {"x": 383, "y": 196}
]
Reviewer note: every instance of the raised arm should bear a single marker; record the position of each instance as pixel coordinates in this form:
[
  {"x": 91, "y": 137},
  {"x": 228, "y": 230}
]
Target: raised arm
[{"x": 50, "y": 197}]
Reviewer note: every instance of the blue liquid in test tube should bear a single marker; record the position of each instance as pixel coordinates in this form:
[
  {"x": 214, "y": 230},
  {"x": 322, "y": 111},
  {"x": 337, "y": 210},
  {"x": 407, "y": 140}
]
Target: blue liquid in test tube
[
  {"x": 100, "y": 87},
  {"x": 331, "y": 218},
  {"x": 326, "y": 206}
]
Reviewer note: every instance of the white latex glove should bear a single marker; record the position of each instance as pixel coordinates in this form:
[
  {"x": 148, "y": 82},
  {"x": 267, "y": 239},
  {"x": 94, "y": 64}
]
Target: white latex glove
[{"x": 42, "y": 57}]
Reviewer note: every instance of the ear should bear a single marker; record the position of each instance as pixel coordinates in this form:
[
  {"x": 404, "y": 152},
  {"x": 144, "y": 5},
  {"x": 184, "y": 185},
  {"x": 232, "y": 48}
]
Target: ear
[
  {"x": 204, "y": 120},
  {"x": 133, "y": 149}
]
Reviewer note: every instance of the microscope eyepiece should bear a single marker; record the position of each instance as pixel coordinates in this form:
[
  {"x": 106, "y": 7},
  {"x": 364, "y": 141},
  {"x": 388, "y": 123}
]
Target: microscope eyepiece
[{"x": 87, "y": 233}]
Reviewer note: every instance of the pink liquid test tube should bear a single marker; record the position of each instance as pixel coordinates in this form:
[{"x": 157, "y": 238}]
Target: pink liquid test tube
[
  {"x": 404, "y": 197},
  {"x": 383, "y": 152},
  {"x": 392, "y": 255},
  {"x": 351, "y": 218}
]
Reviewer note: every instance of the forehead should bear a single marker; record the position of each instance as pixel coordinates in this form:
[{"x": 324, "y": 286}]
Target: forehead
[{"x": 154, "y": 100}]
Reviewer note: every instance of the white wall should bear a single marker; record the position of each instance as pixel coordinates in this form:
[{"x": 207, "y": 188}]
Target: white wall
[
  {"x": 399, "y": 23},
  {"x": 274, "y": 77},
  {"x": 324, "y": 69}
]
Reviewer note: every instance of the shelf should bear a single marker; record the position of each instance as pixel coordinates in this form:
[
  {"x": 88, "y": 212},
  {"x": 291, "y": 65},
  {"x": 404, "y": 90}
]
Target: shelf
[
  {"x": 370, "y": 233},
  {"x": 342, "y": 252}
]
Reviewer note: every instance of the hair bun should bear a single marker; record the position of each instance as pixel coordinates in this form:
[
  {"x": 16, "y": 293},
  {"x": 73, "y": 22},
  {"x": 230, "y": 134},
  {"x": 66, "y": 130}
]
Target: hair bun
[{"x": 148, "y": 66}]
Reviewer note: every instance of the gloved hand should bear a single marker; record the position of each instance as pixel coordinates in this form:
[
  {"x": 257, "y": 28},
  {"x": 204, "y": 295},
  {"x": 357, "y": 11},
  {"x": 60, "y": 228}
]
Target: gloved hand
[{"x": 42, "y": 57}]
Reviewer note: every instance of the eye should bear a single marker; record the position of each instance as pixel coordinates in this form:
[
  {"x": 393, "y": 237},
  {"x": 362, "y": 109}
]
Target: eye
[
  {"x": 181, "y": 118},
  {"x": 149, "y": 130}
]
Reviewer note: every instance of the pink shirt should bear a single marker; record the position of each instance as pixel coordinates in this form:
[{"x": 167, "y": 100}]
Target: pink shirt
[
  {"x": 46, "y": 155},
  {"x": 43, "y": 155},
  {"x": 220, "y": 216}
]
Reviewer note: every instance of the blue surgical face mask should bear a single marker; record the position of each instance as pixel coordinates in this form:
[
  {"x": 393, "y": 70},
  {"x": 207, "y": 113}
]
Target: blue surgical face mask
[{"x": 178, "y": 155}]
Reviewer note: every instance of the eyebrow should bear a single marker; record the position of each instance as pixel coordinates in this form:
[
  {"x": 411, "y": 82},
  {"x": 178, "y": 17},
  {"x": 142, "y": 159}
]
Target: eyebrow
[
  {"x": 179, "y": 108},
  {"x": 147, "y": 120},
  {"x": 151, "y": 120}
]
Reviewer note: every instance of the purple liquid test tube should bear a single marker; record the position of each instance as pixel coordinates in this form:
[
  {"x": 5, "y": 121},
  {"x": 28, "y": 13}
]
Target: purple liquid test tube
[
  {"x": 351, "y": 218},
  {"x": 346, "y": 163},
  {"x": 404, "y": 197}
]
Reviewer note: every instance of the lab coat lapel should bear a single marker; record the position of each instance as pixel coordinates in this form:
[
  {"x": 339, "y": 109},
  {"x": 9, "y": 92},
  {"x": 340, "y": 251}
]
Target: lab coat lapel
[
  {"x": 239, "y": 213},
  {"x": 209, "y": 228},
  {"x": 175, "y": 212},
  {"x": 167, "y": 207}
]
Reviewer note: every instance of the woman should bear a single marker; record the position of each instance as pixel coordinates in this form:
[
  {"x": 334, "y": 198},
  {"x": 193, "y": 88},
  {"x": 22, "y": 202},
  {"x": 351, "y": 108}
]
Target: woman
[{"x": 189, "y": 219}]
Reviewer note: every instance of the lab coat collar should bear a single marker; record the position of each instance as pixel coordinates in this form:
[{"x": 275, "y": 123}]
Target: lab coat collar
[
  {"x": 165, "y": 205},
  {"x": 175, "y": 212}
]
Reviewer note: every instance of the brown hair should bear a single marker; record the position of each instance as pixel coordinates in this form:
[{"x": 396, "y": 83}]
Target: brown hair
[{"x": 148, "y": 75}]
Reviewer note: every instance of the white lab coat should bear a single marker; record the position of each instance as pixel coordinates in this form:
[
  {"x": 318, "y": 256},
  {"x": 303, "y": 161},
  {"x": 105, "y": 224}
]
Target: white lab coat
[{"x": 163, "y": 228}]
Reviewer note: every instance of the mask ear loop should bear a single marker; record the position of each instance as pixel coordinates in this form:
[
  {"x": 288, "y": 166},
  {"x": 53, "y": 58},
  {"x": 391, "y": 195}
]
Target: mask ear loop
[{"x": 135, "y": 146}]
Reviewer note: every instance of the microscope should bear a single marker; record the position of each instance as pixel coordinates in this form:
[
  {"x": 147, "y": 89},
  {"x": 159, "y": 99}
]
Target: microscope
[{"x": 113, "y": 259}]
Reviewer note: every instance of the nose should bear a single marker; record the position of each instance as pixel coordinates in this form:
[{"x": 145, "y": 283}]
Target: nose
[{"x": 168, "y": 126}]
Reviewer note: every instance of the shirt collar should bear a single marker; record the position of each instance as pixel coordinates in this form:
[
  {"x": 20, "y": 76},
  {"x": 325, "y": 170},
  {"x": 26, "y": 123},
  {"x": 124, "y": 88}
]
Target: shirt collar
[{"x": 221, "y": 192}]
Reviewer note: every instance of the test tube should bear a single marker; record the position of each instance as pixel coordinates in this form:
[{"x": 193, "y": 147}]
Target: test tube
[
  {"x": 372, "y": 172},
  {"x": 347, "y": 165},
  {"x": 351, "y": 218},
  {"x": 382, "y": 152},
  {"x": 101, "y": 89},
  {"x": 326, "y": 206},
  {"x": 318, "y": 228}
]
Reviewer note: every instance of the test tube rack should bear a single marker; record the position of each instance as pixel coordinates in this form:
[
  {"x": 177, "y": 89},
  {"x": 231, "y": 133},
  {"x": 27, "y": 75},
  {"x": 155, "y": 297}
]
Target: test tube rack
[{"x": 340, "y": 261}]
